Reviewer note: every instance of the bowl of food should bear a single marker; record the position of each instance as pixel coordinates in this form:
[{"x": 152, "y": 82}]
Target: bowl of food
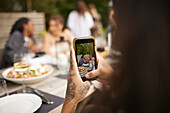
[{"x": 29, "y": 74}]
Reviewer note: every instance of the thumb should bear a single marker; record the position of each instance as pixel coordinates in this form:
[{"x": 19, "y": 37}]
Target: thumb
[
  {"x": 87, "y": 83},
  {"x": 93, "y": 74}
]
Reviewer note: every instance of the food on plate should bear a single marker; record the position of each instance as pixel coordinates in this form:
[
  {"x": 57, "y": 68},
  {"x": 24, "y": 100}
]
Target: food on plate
[
  {"x": 81, "y": 69},
  {"x": 21, "y": 65},
  {"x": 32, "y": 71}
]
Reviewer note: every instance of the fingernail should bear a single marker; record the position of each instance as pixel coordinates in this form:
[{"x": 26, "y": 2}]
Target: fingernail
[{"x": 87, "y": 76}]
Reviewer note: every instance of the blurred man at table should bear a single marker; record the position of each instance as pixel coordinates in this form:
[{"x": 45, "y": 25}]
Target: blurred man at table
[
  {"x": 20, "y": 41},
  {"x": 80, "y": 20}
]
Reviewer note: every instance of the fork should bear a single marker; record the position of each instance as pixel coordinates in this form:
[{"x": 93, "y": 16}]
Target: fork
[{"x": 44, "y": 97}]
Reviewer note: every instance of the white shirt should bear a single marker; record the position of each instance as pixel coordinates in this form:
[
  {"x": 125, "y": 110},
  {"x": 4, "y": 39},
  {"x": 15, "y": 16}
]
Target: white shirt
[
  {"x": 26, "y": 40},
  {"x": 80, "y": 25}
]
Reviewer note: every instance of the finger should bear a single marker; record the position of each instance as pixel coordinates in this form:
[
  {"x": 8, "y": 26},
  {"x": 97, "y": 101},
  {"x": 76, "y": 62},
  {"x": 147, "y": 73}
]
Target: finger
[
  {"x": 93, "y": 74},
  {"x": 87, "y": 83},
  {"x": 73, "y": 63}
]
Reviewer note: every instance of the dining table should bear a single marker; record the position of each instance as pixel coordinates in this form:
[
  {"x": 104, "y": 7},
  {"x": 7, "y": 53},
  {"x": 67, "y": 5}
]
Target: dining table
[{"x": 54, "y": 85}]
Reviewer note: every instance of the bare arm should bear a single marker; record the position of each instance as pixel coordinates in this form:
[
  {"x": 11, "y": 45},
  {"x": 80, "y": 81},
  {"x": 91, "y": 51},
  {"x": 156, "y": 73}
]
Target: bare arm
[{"x": 76, "y": 88}]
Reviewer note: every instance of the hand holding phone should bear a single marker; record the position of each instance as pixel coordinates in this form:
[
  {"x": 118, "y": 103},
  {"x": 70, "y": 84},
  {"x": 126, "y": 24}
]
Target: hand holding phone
[
  {"x": 103, "y": 73},
  {"x": 85, "y": 53}
]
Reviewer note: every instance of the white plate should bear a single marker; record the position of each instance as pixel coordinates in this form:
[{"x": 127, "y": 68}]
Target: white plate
[
  {"x": 20, "y": 103},
  {"x": 26, "y": 80},
  {"x": 85, "y": 65}
]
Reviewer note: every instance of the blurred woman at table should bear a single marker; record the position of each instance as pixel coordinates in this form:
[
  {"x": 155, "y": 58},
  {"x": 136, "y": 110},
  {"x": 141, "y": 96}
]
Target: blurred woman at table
[
  {"x": 141, "y": 85},
  {"x": 20, "y": 41},
  {"x": 55, "y": 52},
  {"x": 80, "y": 20},
  {"x": 56, "y": 31}
]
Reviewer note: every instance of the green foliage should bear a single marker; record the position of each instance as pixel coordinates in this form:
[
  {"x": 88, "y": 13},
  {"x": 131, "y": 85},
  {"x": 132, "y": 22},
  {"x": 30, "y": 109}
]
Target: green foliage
[
  {"x": 6, "y": 5},
  {"x": 51, "y": 7},
  {"x": 85, "y": 48}
]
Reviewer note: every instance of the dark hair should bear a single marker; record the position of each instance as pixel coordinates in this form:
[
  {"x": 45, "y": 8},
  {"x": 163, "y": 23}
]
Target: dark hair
[
  {"x": 82, "y": 56},
  {"x": 18, "y": 26},
  {"x": 142, "y": 84},
  {"x": 81, "y": 7}
]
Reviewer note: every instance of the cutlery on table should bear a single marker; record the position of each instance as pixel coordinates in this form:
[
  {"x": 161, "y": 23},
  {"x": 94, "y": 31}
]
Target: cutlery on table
[{"x": 44, "y": 97}]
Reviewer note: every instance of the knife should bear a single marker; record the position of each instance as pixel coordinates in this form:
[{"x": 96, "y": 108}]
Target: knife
[{"x": 44, "y": 97}]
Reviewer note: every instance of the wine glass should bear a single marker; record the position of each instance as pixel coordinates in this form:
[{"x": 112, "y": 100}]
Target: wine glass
[{"x": 19, "y": 59}]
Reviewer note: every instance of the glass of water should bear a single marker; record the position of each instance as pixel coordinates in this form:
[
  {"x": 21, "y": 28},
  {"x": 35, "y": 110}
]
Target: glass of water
[
  {"x": 18, "y": 58},
  {"x": 3, "y": 88}
]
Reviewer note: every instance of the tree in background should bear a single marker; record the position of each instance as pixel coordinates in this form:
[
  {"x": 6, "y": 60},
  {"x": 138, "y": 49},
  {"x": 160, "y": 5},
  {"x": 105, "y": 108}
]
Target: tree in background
[
  {"x": 51, "y": 7},
  {"x": 85, "y": 48}
]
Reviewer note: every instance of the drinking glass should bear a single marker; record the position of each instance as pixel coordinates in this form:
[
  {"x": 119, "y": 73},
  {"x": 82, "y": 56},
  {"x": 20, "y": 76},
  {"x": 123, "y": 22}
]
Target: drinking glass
[
  {"x": 3, "y": 88},
  {"x": 63, "y": 55},
  {"x": 21, "y": 57}
]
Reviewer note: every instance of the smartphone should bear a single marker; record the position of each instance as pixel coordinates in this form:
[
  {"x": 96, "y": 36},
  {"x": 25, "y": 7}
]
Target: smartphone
[{"x": 85, "y": 52}]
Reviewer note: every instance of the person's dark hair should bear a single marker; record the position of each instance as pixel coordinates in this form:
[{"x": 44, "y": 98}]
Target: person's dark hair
[
  {"x": 18, "y": 26},
  {"x": 82, "y": 56},
  {"x": 142, "y": 84},
  {"x": 81, "y": 7}
]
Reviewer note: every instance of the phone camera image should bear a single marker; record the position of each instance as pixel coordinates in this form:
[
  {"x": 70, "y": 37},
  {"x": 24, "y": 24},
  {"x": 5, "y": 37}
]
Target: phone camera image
[{"x": 85, "y": 58}]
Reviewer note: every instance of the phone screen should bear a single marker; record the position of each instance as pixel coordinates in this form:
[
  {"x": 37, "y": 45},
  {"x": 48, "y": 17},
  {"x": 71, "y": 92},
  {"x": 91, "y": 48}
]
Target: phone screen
[{"x": 85, "y": 56}]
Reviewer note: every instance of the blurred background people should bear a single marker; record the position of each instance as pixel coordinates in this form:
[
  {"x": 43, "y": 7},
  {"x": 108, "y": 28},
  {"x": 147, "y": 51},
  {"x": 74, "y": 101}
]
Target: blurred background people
[
  {"x": 56, "y": 32},
  {"x": 82, "y": 60},
  {"x": 111, "y": 28},
  {"x": 97, "y": 29},
  {"x": 91, "y": 57},
  {"x": 53, "y": 43},
  {"x": 80, "y": 20},
  {"x": 20, "y": 41}
]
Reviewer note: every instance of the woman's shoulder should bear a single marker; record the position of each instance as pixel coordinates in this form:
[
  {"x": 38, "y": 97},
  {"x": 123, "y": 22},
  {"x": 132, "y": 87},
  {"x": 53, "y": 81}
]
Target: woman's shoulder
[
  {"x": 68, "y": 33},
  {"x": 66, "y": 30}
]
